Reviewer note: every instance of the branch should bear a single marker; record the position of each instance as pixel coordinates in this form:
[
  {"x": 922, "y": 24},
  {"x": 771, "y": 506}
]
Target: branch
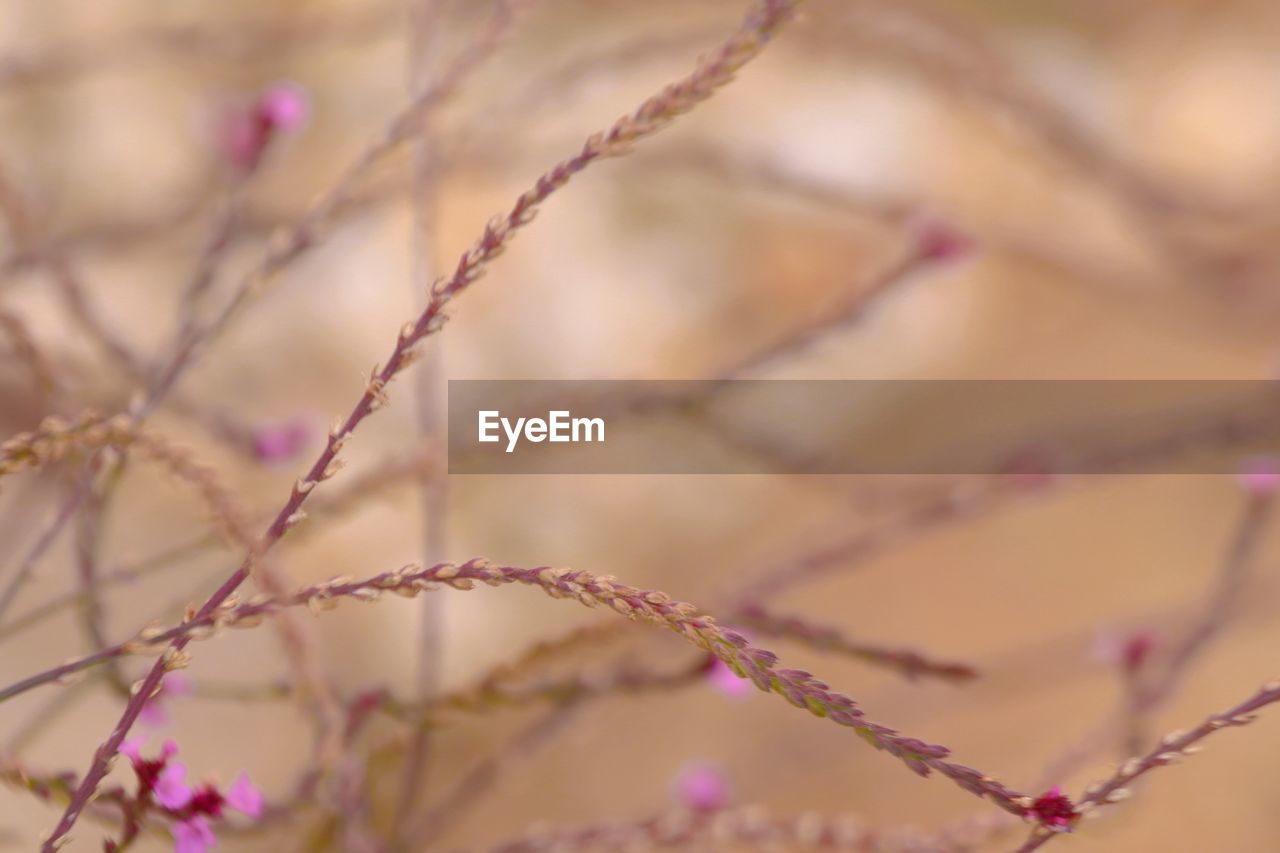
[{"x": 656, "y": 113}]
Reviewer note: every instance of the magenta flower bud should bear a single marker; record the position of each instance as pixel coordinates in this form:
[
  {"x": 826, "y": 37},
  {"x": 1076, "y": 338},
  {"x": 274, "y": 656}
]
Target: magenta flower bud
[
  {"x": 284, "y": 105},
  {"x": 246, "y": 132},
  {"x": 940, "y": 241},
  {"x": 1129, "y": 650},
  {"x": 1054, "y": 810}
]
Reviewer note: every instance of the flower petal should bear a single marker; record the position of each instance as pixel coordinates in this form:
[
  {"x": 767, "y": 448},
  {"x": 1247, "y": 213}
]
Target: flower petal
[
  {"x": 244, "y": 796},
  {"x": 176, "y": 684},
  {"x": 133, "y": 748},
  {"x": 153, "y": 715},
  {"x": 171, "y": 788},
  {"x": 193, "y": 836}
]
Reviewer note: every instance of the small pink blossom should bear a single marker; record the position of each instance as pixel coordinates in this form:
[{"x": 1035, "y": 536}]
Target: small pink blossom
[
  {"x": 280, "y": 442},
  {"x": 147, "y": 770},
  {"x": 725, "y": 680},
  {"x": 154, "y": 713},
  {"x": 162, "y": 785},
  {"x": 244, "y": 796},
  {"x": 246, "y": 132},
  {"x": 1260, "y": 477},
  {"x": 1130, "y": 651},
  {"x": 1054, "y": 810},
  {"x": 193, "y": 835},
  {"x": 285, "y": 105},
  {"x": 701, "y": 787},
  {"x": 939, "y": 240}
]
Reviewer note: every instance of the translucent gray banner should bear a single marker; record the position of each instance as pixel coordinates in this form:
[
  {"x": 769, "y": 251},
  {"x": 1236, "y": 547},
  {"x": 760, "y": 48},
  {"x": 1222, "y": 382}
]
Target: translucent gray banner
[{"x": 859, "y": 426}]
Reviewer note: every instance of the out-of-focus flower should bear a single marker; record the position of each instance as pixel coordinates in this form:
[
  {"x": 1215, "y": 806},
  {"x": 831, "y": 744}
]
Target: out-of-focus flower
[
  {"x": 701, "y": 787},
  {"x": 244, "y": 796},
  {"x": 1127, "y": 650},
  {"x": 162, "y": 782},
  {"x": 284, "y": 105},
  {"x": 280, "y": 442},
  {"x": 155, "y": 712},
  {"x": 147, "y": 770},
  {"x": 1260, "y": 477},
  {"x": 1054, "y": 810},
  {"x": 724, "y": 679},
  {"x": 246, "y": 132},
  {"x": 1030, "y": 469},
  {"x": 940, "y": 241}
]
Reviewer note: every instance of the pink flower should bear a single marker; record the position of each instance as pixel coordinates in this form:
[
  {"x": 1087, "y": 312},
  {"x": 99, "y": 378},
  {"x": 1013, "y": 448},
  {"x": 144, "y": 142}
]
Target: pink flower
[
  {"x": 1260, "y": 477},
  {"x": 728, "y": 682},
  {"x": 148, "y": 770},
  {"x": 244, "y": 796},
  {"x": 940, "y": 241},
  {"x": 247, "y": 131},
  {"x": 1029, "y": 469},
  {"x": 281, "y": 442},
  {"x": 701, "y": 787},
  {"x": 1129, "y": 651},
  {"x": 284, "y": 105},
  {"x": 154, "y": 713},
  {"x": 1054, "y": 810},
  {"x": 162, "y": 785},
  {"x": 193, "y": 835}
]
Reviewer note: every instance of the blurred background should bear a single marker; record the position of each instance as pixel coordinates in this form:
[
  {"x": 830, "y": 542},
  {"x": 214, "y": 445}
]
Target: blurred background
[{"x": 1113, "y": 165}]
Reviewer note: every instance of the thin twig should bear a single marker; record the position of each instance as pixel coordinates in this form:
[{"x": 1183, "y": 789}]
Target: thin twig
[{"x": 654, "y": 114}]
